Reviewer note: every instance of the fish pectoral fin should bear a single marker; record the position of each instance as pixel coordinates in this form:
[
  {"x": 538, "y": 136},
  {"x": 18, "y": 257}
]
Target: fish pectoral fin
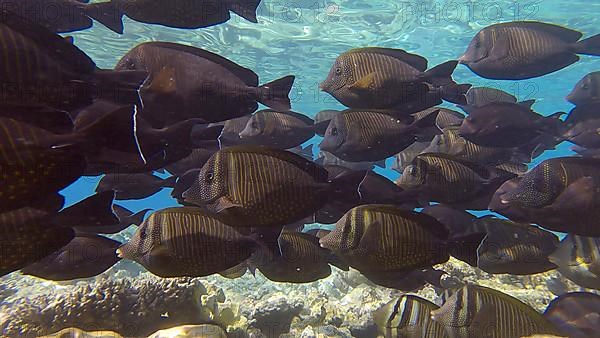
[
  {"x": 364, "y": 83},
  {"x": 164, "y": 82},
  {"x": 483, "y": 323},
  {"x": 224, "y": 203}
]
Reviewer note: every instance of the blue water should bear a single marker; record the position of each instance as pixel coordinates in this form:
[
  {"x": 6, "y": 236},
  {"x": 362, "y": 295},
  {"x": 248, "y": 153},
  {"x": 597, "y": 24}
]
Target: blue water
[{"x": 303, "y": 38}]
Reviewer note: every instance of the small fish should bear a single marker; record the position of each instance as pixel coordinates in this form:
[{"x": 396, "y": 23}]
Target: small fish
[
  {"x": 586, "y": 91},
  {"x": 521, "y": 50},
  {"x": 302, "y": 260},
  {"x": 380, "y": 238},
  {"x": 359, "y": 136},
  {"x": 578, "y": 259},
  {"x": 188, "y": 82},
  {"x": 576, "y": 314},
  {"x": 178, "y": 242},
  {"x": 383, "y": 78},
  {"x": 477, "y": 311},
  {"x": 259, "y": 186},
  {"x": 281, "y": 130},
  {"x": 134, "y": 186},
  {"x": 481, "y": 96},
  {"x": 408, "y": 316},
  {"x": 507, "y": 125},
  {"x": 51, "y": 14},
  {"x": 513, "y": 248},
  {"x": 188, "y": 14},
  {"x": 85, "y": 256}
]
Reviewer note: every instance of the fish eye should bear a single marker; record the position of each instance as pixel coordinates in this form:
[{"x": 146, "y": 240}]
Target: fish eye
[
  {"x": 334, "y": 131},
  {"x": 210, "y": 176},
  {"x": 585, "y": 86},
  {"x": 338, "y": 71}
]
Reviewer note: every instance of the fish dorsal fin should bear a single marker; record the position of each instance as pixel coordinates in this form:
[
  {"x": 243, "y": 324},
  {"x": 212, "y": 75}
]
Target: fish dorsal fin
[
  {"x": 305, "y": 119},
  {"x": 313, "y": 169},
  {"x": 248, "y": 76},
  {"x": 61, "y": 50},
  {"x": 480, "y": 170},
  {"x": 416, "y": 61},
  {"x": 429, "y": 223},
  {"x": 164, "y": 82},
  {"x": 565, "y": 34}
]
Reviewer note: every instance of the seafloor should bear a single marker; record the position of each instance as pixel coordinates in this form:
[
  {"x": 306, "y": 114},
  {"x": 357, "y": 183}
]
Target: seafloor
[{"x": 132, "y": 303}]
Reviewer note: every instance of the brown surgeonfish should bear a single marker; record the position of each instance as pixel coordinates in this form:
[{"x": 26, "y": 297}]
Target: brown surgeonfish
[
  {"x": 477, "y": 311},
  {"x": 378, "y": 238},
  {"x": 408, "y": 316},
  {"x": 185, "y": 241},
  {"x": 578, "y": 259},
  {"x": 576, "y": 314},
  {"x": 40, "y": 68},
  {"x": 259, "y": 186},
  {"x": 521, "y": 50}
]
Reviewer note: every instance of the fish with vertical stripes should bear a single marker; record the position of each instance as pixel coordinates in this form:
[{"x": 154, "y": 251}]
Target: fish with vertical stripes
[
  {"x": 578, "y": 259},
  {"x": 186, "y": 241},
  {"x": 281, "y": 130},
  {"x": 576, "y": 314},
  {"x": 408, "y": 316},
  {"x": 259, "y": 186},
  {"x": 477, "y": 311},
  {"x": 521, "y": 50}
]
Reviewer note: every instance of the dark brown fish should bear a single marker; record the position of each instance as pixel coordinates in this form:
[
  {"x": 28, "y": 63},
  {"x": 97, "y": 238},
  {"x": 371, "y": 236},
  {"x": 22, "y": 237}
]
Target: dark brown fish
[
  {"x": 359, "y": 136},
  {"x": 259, "y": 186},
  {"x": 281, "y": 130},
  {"x": 578, "y": 259},
  {"x": 525, "y": 49},
  {"x": 380, "y": 238},
  {"x": 42, "y": 68},
  {"x": 457, "y": 221},
  {"x": 302, "y": 260},
  {"x": 85, "y": 256},
  {"x": 196, "y": 159},
  {"x": 189, "y": 14},
  {"x": 187, "y": 82},
  {"x": 63, "y": 16},
  {"x": 477, "y": 311},
  {"x": 408, "y": 316},
  {"x": 586, "y": 91},
  {"x": 177, "y": 242},
  {"x": 134, "y": 186},
  {"x": 575, "y": 314},
  {"x": 384, "y": 78}
]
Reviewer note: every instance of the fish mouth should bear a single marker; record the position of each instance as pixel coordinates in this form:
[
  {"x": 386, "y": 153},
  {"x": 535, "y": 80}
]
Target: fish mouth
[{"x": 120, "y": 253}]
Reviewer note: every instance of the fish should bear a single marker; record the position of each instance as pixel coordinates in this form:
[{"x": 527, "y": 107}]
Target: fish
[
  {"x": 586, "y": 91},
  {"x": 446, "y": 179},
  {"x": 386, "y": 238},
  {"x": 196, "y": 159},
  {"x": 585, "y": 134},
  {"x": 408, "y": 316},
  {"x": 186, "y": 241},
  {"x": 125, "y": 217},
  {"x": 578, "y": 259},
  {"x": 231, "y": 131},
  {"x": 51, "y": 14},
  {"x": 481, "y": 96},
  {"x": 302, "y": 260},
  {"x": 175, "y": 91},
  {"x": 322, "y": 120},
  {"x": 359, "y": 136},
  {"x": 514, "y": 248},
  {"x": 404, "y": 158},
  {"x": 325, "y": 158},
  {"x": 187, "y": 14},
  {"x": 281, "y": 130},
  {"x": 85, "y": 256},
  {"x": 576, "y": 314},
  {"x": 507, "y": 125},
  {"x": 477, "y": 311},
  {"x": 521, "y": 50},
  {"x": 134, "y": 186},
  {"x": 63, "y": 77},
  {"x": 457, "y": 221},
  {"x": 384, "y": 78},
  {"x": 447, "y": 118},
  {"x": 259, "y": 186}
]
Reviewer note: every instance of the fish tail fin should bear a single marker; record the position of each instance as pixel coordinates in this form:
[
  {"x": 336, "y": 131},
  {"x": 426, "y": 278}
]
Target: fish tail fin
[
  {"x": 589, "y": 46},
  {"x": 121, "y": 86},
  {"x": 275, "y": 94},
  {"x": 107, "y": 14},
  {"x": 441, "y": 75},
  {"x": 169, "y": 182},
  {"x": 137, "y": 218},
  {"x": 321, "y": 127},
  {"x": 246, "y": 9},
  {"x": 455, "y": 93},
  {"x": 465, "y": 247},
  {"x": 347, "y": 183}
]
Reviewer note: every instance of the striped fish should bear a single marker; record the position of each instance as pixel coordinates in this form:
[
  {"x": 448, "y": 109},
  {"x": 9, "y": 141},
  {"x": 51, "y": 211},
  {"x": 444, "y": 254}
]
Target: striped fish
[
  {"x": 185, "y": 241},
  {"x": 576, "y": 314},
  {"x": 525, "y": 49},
  {"x": 377, "y": 238},
  {"x": 465, "y": 149},
  {"x": 259, "y": 186},
  {"x": 363, "y": 135},
  {"x": 477, "y": 311},
  {"x": 578, "y": 258},
  {"x": 408, "y": 316},
  {"x": 380, "y": 78},
  {"x": 281, "y": 130}
]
